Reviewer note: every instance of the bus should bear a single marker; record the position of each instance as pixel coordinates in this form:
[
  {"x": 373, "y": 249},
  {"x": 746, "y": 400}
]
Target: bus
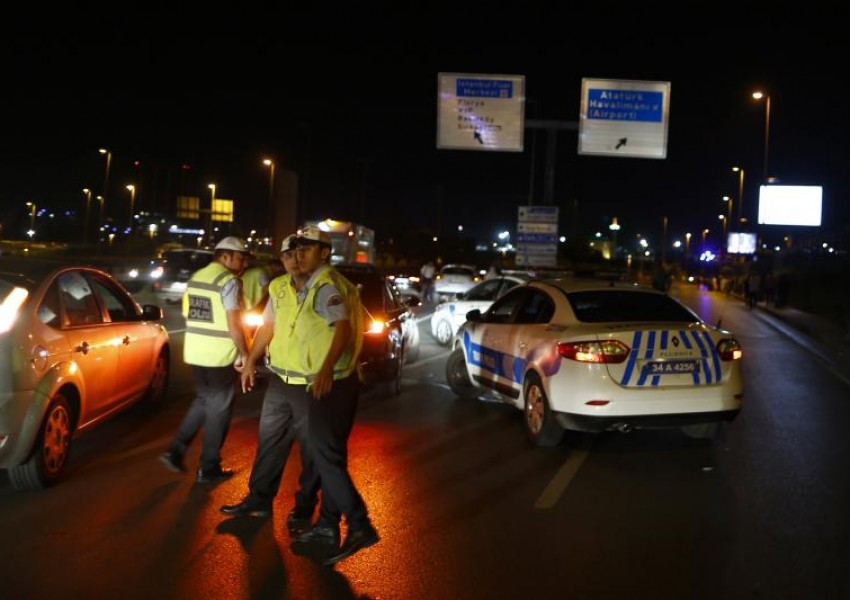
[{"x": 351, "y": 242}]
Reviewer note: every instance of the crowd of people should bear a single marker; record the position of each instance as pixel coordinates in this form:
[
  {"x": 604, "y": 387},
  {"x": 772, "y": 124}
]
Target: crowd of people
[{"x": 310, "y": 341}]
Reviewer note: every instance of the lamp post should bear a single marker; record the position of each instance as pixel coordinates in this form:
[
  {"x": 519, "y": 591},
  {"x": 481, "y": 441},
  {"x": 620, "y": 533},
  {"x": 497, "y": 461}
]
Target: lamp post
[
  {"x": 106, "y": 152},
  {"x": 687, "y": 245},
  {"x": 728, "y": 220},
  {"x": 704, "y": 234},
  {"x": 270, "y": 220},
  {"x": 758, "y": 96},
  {"x": 211, "y": 186},
  {"x": 32, "y": 214},
  {"x": 132, "y": 189},
  {"x": 87, "y": 192},
  {"x": 740, "y": 172}
]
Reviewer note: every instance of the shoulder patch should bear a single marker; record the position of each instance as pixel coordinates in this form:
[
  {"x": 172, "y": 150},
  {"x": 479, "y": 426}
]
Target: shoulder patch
[{"x": 334, "y": 300}]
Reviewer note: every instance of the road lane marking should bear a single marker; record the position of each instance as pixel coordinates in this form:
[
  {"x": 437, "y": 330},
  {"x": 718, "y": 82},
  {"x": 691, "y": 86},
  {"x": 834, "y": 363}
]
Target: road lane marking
[{"x": 562, "y": 480}]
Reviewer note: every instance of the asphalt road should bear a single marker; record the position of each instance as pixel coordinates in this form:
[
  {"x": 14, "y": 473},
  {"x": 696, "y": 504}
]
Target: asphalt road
[{"x": 465, "y": 506}]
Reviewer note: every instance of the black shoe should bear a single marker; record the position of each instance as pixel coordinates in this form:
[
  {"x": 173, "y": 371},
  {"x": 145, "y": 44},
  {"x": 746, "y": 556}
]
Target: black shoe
[
  {"x": 249, "y": 507},
  {"x": 319, "y": 533},
  {"x": 298, "y": 520},
  {"x": 354, "y": 542},
  {"x": 213, "y": 475},
  {"x": 172, "y": 461}
]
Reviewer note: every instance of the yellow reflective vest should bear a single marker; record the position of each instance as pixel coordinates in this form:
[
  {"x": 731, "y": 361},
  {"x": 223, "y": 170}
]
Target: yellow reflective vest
[
  {"x": 302, "y": 338},
  {"x": 254, "y": 287},
  {"x": 207, "y": 342}
]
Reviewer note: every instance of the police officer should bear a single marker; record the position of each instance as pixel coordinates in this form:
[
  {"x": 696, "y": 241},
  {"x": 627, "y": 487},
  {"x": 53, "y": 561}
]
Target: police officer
[
  {"x": 285, "y": 404},
  {"x": 255, "y": 285},
  {"x": 327, "y": 331},
  {"x": 214, "y": 344}
]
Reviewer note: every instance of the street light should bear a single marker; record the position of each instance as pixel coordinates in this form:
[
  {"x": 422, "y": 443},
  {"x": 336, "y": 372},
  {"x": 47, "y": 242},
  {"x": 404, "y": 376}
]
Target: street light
[
  {"x": 32, "y": 214},
  {"x": 132, "y": 189},
  {"x": 740, "y": 171},
  {"x": 728, "y": 219},
  {"x": 87, "y": 192},
  {"x": 758, "y": 96},
  {"x": 106, "y": 152},
  {"x": 269, "y": 223},
  {"x": 704, "y": 234},
  {"x": 687, "y": 244}
]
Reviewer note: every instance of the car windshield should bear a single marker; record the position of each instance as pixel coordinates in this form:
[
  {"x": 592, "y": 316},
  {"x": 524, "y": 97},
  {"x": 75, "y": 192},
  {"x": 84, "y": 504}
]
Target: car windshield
[
  {"x": 611, "y": 306},
  {"x": 371, "y": 289}
]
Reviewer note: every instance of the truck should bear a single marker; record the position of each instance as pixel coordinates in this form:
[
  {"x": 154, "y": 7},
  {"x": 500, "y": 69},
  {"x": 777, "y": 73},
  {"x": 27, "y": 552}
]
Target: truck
[{"x": 351, "y": 242}]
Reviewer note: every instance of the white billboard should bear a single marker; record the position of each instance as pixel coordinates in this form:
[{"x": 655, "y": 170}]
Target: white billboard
[
  {"x": 741, "y": 243},
  {"x": 480, "y": 112},
  {"x": 790, "y": 205}
]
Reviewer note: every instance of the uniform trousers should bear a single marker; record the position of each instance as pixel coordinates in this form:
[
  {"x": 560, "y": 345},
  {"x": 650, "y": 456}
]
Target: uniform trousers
[
  {"x": 329, "y": 424},
  {"x": 212, "y": 408},
  {"x": 282, "y": 420}
]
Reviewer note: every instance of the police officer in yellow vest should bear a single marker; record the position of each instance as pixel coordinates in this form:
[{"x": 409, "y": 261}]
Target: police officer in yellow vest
[
  {"x": 285, "y": 404},
  {"x": 324, "y": 341},
  {"x": 255, "y": 285},
  {"x": 214, "y": 344}
]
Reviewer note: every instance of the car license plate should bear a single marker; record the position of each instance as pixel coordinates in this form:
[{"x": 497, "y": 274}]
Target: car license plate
[{"x": 671, "y": 367}]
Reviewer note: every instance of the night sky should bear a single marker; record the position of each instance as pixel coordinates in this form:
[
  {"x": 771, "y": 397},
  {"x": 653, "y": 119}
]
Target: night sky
[{"x": 353, "y": 113}]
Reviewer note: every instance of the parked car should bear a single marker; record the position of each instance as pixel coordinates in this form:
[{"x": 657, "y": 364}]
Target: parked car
[
  {"x": 449, "y": 316},
  {"x": 174, "y": 268},
  {"x": 406, "y": 284},
  {"x": 392, "y": 334},
  {"x": 75, "y": 349},
  {"x": 594, "y": 356},
  {"x": 455, "y": 279}
]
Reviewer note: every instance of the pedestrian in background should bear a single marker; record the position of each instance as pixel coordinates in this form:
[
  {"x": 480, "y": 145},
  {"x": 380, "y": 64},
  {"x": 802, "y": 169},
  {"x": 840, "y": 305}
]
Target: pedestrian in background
[
  {"x": 328, "y": 336},
  {"x": 426, "y": 280},
  {"x": 214, "y": 344},
  {"x": 285, "y": 405}
]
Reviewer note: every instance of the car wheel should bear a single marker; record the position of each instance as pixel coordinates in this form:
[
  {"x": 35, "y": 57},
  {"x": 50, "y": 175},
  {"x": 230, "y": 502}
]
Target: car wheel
[
  {"x": 159, "y": 379},
  {"x": 540, "y": 423},
  {"x": 444, "y": 333},
  {"x": 458, "y": 376},
  {"x": 51, "y": 450},
  {"x": 701, "y": 431}
]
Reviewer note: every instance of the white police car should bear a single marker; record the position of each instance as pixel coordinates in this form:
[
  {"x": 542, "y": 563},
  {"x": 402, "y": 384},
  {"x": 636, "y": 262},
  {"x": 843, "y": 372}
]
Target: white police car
[
  {"x": 597, "y": 356},
  {"x": 449, "y": 316}
]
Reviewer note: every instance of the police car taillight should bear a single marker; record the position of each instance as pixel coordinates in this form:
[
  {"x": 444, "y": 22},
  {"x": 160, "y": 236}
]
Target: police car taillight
[
  {"x": 729, "y": 349},
  {"x": 606, "y": 351}
]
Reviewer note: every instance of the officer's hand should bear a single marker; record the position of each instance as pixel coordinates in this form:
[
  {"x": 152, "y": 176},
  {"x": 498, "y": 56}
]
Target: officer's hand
[
  {"x": 247, "y": 377},
  {"x": 322, "y": 383}
]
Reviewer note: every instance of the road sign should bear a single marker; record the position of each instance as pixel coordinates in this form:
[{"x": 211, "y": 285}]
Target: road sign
[
  {"x": 480, "y": 112},
  {"x": 537, "y": 236},
  {"x": 624, "y": 118}
]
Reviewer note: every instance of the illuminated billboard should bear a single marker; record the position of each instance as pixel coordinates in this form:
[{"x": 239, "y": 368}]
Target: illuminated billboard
[
  {"x": 790, "y": 205},
  {"x": 741, "y": 243}
]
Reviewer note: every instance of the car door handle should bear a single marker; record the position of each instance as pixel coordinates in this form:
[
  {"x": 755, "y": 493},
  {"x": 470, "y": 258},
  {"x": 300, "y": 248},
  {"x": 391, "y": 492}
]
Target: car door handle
[
  {"x": 126, "y": 340},
  {"x": 84, "y": 348},
  {"x": 523, "y": 345}
]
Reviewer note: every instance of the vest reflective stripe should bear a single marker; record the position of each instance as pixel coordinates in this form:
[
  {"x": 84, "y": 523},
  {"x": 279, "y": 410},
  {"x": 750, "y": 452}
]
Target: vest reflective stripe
[
  {"x": 308, "y": 336},
  {"x": 284, "y": 301},
  {"x": 207, "y": 342}
]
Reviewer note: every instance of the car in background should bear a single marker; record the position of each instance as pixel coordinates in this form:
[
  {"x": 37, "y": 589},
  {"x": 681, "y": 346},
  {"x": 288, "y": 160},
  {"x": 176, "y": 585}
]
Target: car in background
[
  {"x": 454, "y": 279},
  {"x": 406, "y": 284},
  {"x": 391, "y": 338},
  {"x": 75, "y": 349},
  {"x": 449, "y": 316},
  {"x": 173, "y": 269},
  {"x": 596, "y": 356}
]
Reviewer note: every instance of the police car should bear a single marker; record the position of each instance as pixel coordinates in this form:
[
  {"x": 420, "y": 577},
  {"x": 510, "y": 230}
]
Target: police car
[{"x": 597, "y": 356}]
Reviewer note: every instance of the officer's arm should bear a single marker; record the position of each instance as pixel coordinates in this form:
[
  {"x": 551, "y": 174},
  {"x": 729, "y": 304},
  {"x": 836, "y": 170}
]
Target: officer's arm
[
  {"x": 237, "y": 331},
  {"x": 324, "y": 378}
]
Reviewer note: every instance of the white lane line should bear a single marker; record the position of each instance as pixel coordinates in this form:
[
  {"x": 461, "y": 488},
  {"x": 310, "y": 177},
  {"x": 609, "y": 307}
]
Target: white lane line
[
  {"x": 562, "y": 480},
  {"x": 425, "y": 361}
]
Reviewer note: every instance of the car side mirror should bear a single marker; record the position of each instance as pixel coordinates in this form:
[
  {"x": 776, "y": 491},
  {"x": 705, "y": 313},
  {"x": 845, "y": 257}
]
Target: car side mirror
[
  {"x": 151, "y": 312},
  {"x": 474, "y": 316}
]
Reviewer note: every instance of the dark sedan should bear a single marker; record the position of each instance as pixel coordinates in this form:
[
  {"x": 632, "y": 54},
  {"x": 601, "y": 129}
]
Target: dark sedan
[{"x": 391, "y": 338}]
